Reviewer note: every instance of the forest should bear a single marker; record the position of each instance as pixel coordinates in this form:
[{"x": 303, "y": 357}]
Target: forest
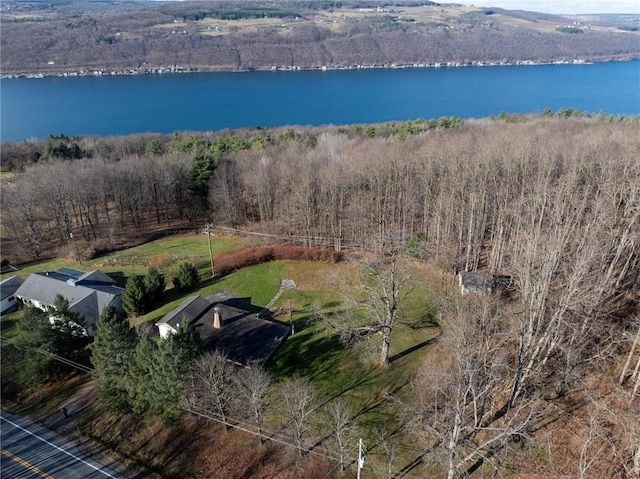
[
  {"x": 551, "y": 203},
  {"x": 136, "y": 37}
]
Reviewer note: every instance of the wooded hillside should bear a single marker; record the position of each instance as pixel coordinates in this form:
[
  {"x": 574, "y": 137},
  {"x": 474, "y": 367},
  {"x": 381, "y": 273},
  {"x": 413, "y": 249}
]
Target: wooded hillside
[
  {"x": 546, "y": 369},
  {"x": 76, "y": 37}
]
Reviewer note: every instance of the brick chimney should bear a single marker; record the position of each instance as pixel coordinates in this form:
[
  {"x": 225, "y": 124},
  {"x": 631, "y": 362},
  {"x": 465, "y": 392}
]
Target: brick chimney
[{"x": 217, "y": 318}]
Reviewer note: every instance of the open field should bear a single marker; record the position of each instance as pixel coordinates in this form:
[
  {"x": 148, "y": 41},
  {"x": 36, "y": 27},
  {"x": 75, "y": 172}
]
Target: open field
[{"x": 338, "y": 20}]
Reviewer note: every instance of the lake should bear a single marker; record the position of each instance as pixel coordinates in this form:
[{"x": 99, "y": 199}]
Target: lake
[{"x": 164, "y": 103}]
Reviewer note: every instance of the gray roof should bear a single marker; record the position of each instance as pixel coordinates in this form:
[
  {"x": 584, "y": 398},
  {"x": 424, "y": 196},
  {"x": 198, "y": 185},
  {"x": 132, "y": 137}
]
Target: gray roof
[
  {"x": 9, "y": 286},
  {"x": 88, "y": 294},
  {"x": 245, "y": 337},
  {"x": 477, "y": 282},
  {"x": 190, "y": 309}
]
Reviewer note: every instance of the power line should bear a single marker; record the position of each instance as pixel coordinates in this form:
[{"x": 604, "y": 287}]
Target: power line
[
  {"x": 61, "y": 359},
  {"x": 64, "y": 360},
  {"x": 265, "y": 436},
  {"x": 315, "y": 240}
]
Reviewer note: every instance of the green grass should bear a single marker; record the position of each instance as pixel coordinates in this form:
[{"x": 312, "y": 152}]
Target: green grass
[
  {"x": 352, "y": 374},
  {"x": 260, "y": 283},
  {"x": 164, "y": 254},
  {"x": 8, "y": 328}
]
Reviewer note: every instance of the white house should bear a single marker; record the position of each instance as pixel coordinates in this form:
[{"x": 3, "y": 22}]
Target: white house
[
  {"x": 8, "y": 288},
  {"x": 88, "y": 293},
  {"x": 189, "y": 310}
]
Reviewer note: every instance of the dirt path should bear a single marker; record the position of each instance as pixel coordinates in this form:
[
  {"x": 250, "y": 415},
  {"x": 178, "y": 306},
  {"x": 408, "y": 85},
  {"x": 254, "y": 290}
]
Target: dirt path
[{"x": 285, "y": 285}]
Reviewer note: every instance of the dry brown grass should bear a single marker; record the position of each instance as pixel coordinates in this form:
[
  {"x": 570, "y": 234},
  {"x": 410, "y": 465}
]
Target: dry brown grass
[{"x": 241, "y": 258}]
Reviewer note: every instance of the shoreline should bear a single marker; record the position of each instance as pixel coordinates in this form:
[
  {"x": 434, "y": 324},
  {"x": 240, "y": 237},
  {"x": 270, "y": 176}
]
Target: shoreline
[{"x": 179, "y": 69}]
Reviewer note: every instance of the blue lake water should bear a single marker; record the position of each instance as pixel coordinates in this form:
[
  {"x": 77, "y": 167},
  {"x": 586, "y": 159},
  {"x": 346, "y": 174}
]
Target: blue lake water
[{"x": 117, "y": 105}]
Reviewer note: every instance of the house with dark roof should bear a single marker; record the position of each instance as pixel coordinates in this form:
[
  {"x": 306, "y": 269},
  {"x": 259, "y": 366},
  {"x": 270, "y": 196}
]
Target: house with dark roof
[
  {"x": 88, "y": 293},
  {"x": 8, "y": 288},
  {"x": 190, "y": 310},
  {"x": 245, "y": 333},
  {"x": 476, "y": 283}
]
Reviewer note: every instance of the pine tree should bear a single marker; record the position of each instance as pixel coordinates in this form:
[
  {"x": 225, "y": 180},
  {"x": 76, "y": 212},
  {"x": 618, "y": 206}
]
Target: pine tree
[
  {"x": 34, "y": 331},
  {"x": 135, "y": 298},
  {"x": 139, "y": 376},
  {"x": 111, "y": 355},
  {"x": 69, "y": 324},
  {"x": 169, "y": 369},
  {"x": 154, "y": 285},
  {"x": 143, "y": 292},
  {"x": 186, "y": 277}
]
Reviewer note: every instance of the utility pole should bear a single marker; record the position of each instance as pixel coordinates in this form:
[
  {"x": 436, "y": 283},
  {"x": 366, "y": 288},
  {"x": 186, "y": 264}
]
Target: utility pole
[
  {"x": 360, "y": 458},
  {"x": 291, "y": 319},
  {"x": 76, "y": 247},
  {"x": 207, "y": 228}
]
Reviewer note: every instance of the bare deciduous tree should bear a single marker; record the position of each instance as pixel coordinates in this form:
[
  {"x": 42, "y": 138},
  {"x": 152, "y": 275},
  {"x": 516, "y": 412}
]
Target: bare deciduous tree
[
  {"x": 384, "y": 285},
  {"x": 254, "y": 386},
  {"x": 299, "y": 402},
  {"x": 343, "y": 426},
  {"x": 457, "y": 402},
  {"x": 211, "y": 389}
]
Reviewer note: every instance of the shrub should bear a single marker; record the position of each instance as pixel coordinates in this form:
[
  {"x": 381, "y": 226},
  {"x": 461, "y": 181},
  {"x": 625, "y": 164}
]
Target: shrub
[
  {"x": 186, "y": 277},
  {"x": 257, "y": 255}
]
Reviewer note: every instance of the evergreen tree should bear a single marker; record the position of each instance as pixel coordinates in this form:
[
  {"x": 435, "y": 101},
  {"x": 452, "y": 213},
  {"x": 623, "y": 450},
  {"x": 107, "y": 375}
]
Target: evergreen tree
[
  {"x": 153, "y": 148},
  {"x": 34, "y": 331},
  {"x": 135, "y": 298},
  {"x": 111, "y": 354},
  {"x": 37, "y": 336},
  {"x": 139, "y": 375},
  {"x": 67, "y": 329},
  {"x": 169, "y": 369},
  {"x": 154, "y": 285},
  {"x": 186, "y": 277},
  {"x": 143, "y": 292}
]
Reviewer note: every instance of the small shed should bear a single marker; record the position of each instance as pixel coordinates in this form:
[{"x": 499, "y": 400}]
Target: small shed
[
  {"x": 8, "y": 288},
  {"x": 476, "y": 283}
]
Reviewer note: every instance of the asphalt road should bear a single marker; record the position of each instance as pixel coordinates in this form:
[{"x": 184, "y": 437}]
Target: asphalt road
[{"x": 30, "y": 451}]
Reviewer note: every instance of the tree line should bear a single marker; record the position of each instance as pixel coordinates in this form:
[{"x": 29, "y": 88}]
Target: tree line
[{"x": 125, "y": 189}]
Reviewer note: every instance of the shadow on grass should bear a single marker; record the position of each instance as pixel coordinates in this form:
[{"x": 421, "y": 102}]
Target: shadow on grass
[
  {"x": 8, "y": 327},
  {"x": 119, "y": 277},
  {"x": 417, "y": 347},
  {"x": 307, "y": 355},
  {"x": 107, "y": 431},
  {"x": 46, "y": 404},
  {"x": 428, "y": 320}
]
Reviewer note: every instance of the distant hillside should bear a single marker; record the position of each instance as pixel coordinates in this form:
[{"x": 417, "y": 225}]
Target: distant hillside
[{"x": 78, "y": 36}]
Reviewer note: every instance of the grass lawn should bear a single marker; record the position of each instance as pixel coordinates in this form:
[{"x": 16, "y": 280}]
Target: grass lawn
[
  {"x": 352, "y": 374},
  {"x": 8, "y": 323},
  {"x": 260, "y": 283},
  {"x": 164, "y": 254}
]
